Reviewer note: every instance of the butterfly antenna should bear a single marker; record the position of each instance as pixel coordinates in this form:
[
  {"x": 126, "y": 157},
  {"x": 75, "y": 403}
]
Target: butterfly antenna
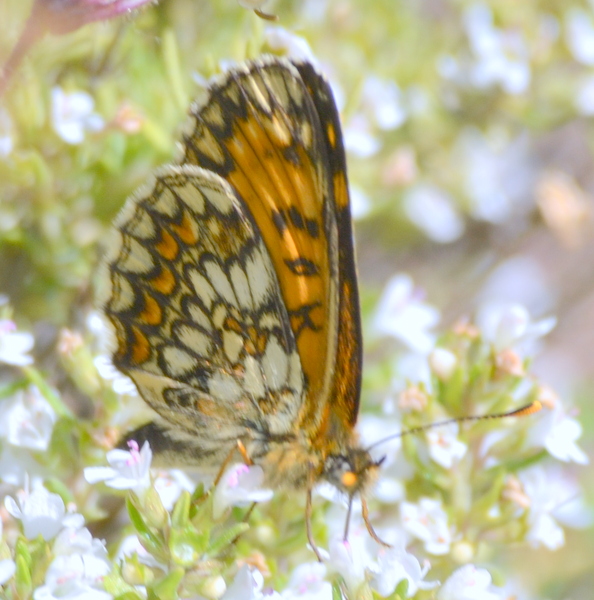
[{"x": 529, "y": 409}]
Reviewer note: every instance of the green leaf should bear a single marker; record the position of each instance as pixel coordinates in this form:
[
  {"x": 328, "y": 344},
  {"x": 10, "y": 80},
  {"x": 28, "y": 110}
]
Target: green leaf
[
  {"x": 226, "y": 538},
  {"x": 401, "y": 590},
  {"x": 154, "y": 511},
  {"x": 154, "y": 543},
  {"x": 23, "y": 577},
  {"x": 166, "y": 588},
  {"x": 180, "y": 517}
]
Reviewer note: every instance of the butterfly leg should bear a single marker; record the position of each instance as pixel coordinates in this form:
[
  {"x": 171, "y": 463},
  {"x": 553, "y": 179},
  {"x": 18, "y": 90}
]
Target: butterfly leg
[
  {"x": 308, "y": 511},
  {"x": 244, "y": 453},
  {"x": 370, "y": 529}
]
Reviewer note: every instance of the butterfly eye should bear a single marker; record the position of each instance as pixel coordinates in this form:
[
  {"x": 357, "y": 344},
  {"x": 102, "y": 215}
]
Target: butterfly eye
[{"x": 348, "y": 479}]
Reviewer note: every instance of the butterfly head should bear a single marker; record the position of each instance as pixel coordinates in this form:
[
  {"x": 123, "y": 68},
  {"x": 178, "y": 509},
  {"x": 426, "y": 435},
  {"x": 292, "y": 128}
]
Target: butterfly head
[{"x": 351, "y": 471}]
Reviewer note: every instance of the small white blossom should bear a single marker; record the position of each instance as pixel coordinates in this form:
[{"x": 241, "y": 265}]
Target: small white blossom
[
  {"x": 444, "y": 446},
  {"x": 510, "y": 326},
  {"x": 402, "y": 314},
  {"x": 498, "y": 174},
  {"x": 128, "y": 470},
  {"x": 307, "y": 583},
  {"x": 281, "y": 39},
  {"x": 360, "y": 203},
  {"x": 396, "y": 564},
  {"x": 72, "y": 115},
  {"x": 584, "y": 100},
  {"x": 469, "y": 583},
  {"x": 170, "y": 484},
  {"x": 7, "y": 570},
  {"x": 359, "y": 139},
  {"x": 6, "y": 131},
  {"x": 382, "y": 101},
  {"x": 7, "y": 566},
  {"x": 501, "y": 56},
  {"x": 120, "y": 383},
  {"x": 443, "y": 363},
  {"x": 40, "y": 512},
  {"x": 247, "y": 585},
  {"x": 75, "y": 577},
  {"x": 76, "y": 539},
  {"x": 18, "y": 467},
  {"x": 552, "y": 498},
  {"x": 580, "y": 35},
  {"x": 427, "y": 521},
  {"x": 432, "y": 210},
  {"x": 27, "y": 420},
  {"x": 520, "y": 279},
  {"x": 351, "y": 558},
  {"x": 558, "y": 433},
  {"x": 14, "y": 346},
  {"x": 240, "y": 485}
]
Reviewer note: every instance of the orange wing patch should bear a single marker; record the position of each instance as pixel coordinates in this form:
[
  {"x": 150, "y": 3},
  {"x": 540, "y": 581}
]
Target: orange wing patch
[{"x": 271, "y": 150}]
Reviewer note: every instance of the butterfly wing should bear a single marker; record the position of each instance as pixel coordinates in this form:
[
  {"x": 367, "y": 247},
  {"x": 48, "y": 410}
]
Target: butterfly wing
[
  {"x": 200, "y": 323},
  {"x": 271, "y": 129}
]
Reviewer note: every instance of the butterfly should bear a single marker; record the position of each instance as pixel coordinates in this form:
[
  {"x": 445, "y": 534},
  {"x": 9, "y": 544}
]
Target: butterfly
[{"x": 233, "y": 290}]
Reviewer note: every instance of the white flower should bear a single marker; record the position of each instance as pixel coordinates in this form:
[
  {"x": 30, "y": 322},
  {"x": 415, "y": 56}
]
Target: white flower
[
  {"x": 280, "y": 39},
  {"x": 40, "y": 511},
  {"x": 584, "y": 100},
  {"x": 14, "y": 346},
  {"x": 128, "y": 470},
  {"x": 170, "y": 485},
  {"x": 7, "y": 566},
  {"x": 352, "y": 558},
  {"x": 469, "y": 583},
  {"x": 18, "y": 466},
  {"x": 552, "y": 497},
  {"x": 7, "y": 570},
  {"x": 6, "y": 143},
  {"x": 131, "y": 546},
  {"x": 72, "y": 115},
  {"x": 510, "y": 326},
  {"x": 498, "y": 174},
  {"x": 432, "y": 211},
  {"x": 120, "y": 383},
  {"x": 519, "y": 279},
  {"x": 428, "y": 522},
  {"x": 382, "y": 102},
  {"x": 443, "y": 363},
  {"x": 76, "y": 539},
  {"x": 396, "y": 564},
  {"x": 444, "y": 446},
  {"x": 27, "y": 420},
  {"x": 307, "y": 583},
  {"x": 75, "y": 577},
  {"x": 240, "y": 485},
  {"x": 580, "y": 35},
  {"x": 558, "y": 433},
  {"x": 402, "y": 314},
  {"x": 360, "y": 203},
  {"x": 359, "y": 139},
  {"x": 500, "y": 55},
  {"x": 247, "y": 585}
]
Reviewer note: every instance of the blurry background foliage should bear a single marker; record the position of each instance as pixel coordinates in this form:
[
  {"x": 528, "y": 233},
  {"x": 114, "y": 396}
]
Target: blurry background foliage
[{"x": 469, "y": 128}]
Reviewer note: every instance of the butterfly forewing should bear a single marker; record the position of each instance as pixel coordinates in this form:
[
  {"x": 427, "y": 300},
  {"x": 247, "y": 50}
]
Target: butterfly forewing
[{"x": 260, "y": 130}]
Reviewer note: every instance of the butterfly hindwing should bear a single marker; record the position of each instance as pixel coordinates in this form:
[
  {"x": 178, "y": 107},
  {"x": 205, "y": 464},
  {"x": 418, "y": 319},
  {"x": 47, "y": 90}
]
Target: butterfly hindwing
[{"x": 200, "y": 323}]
